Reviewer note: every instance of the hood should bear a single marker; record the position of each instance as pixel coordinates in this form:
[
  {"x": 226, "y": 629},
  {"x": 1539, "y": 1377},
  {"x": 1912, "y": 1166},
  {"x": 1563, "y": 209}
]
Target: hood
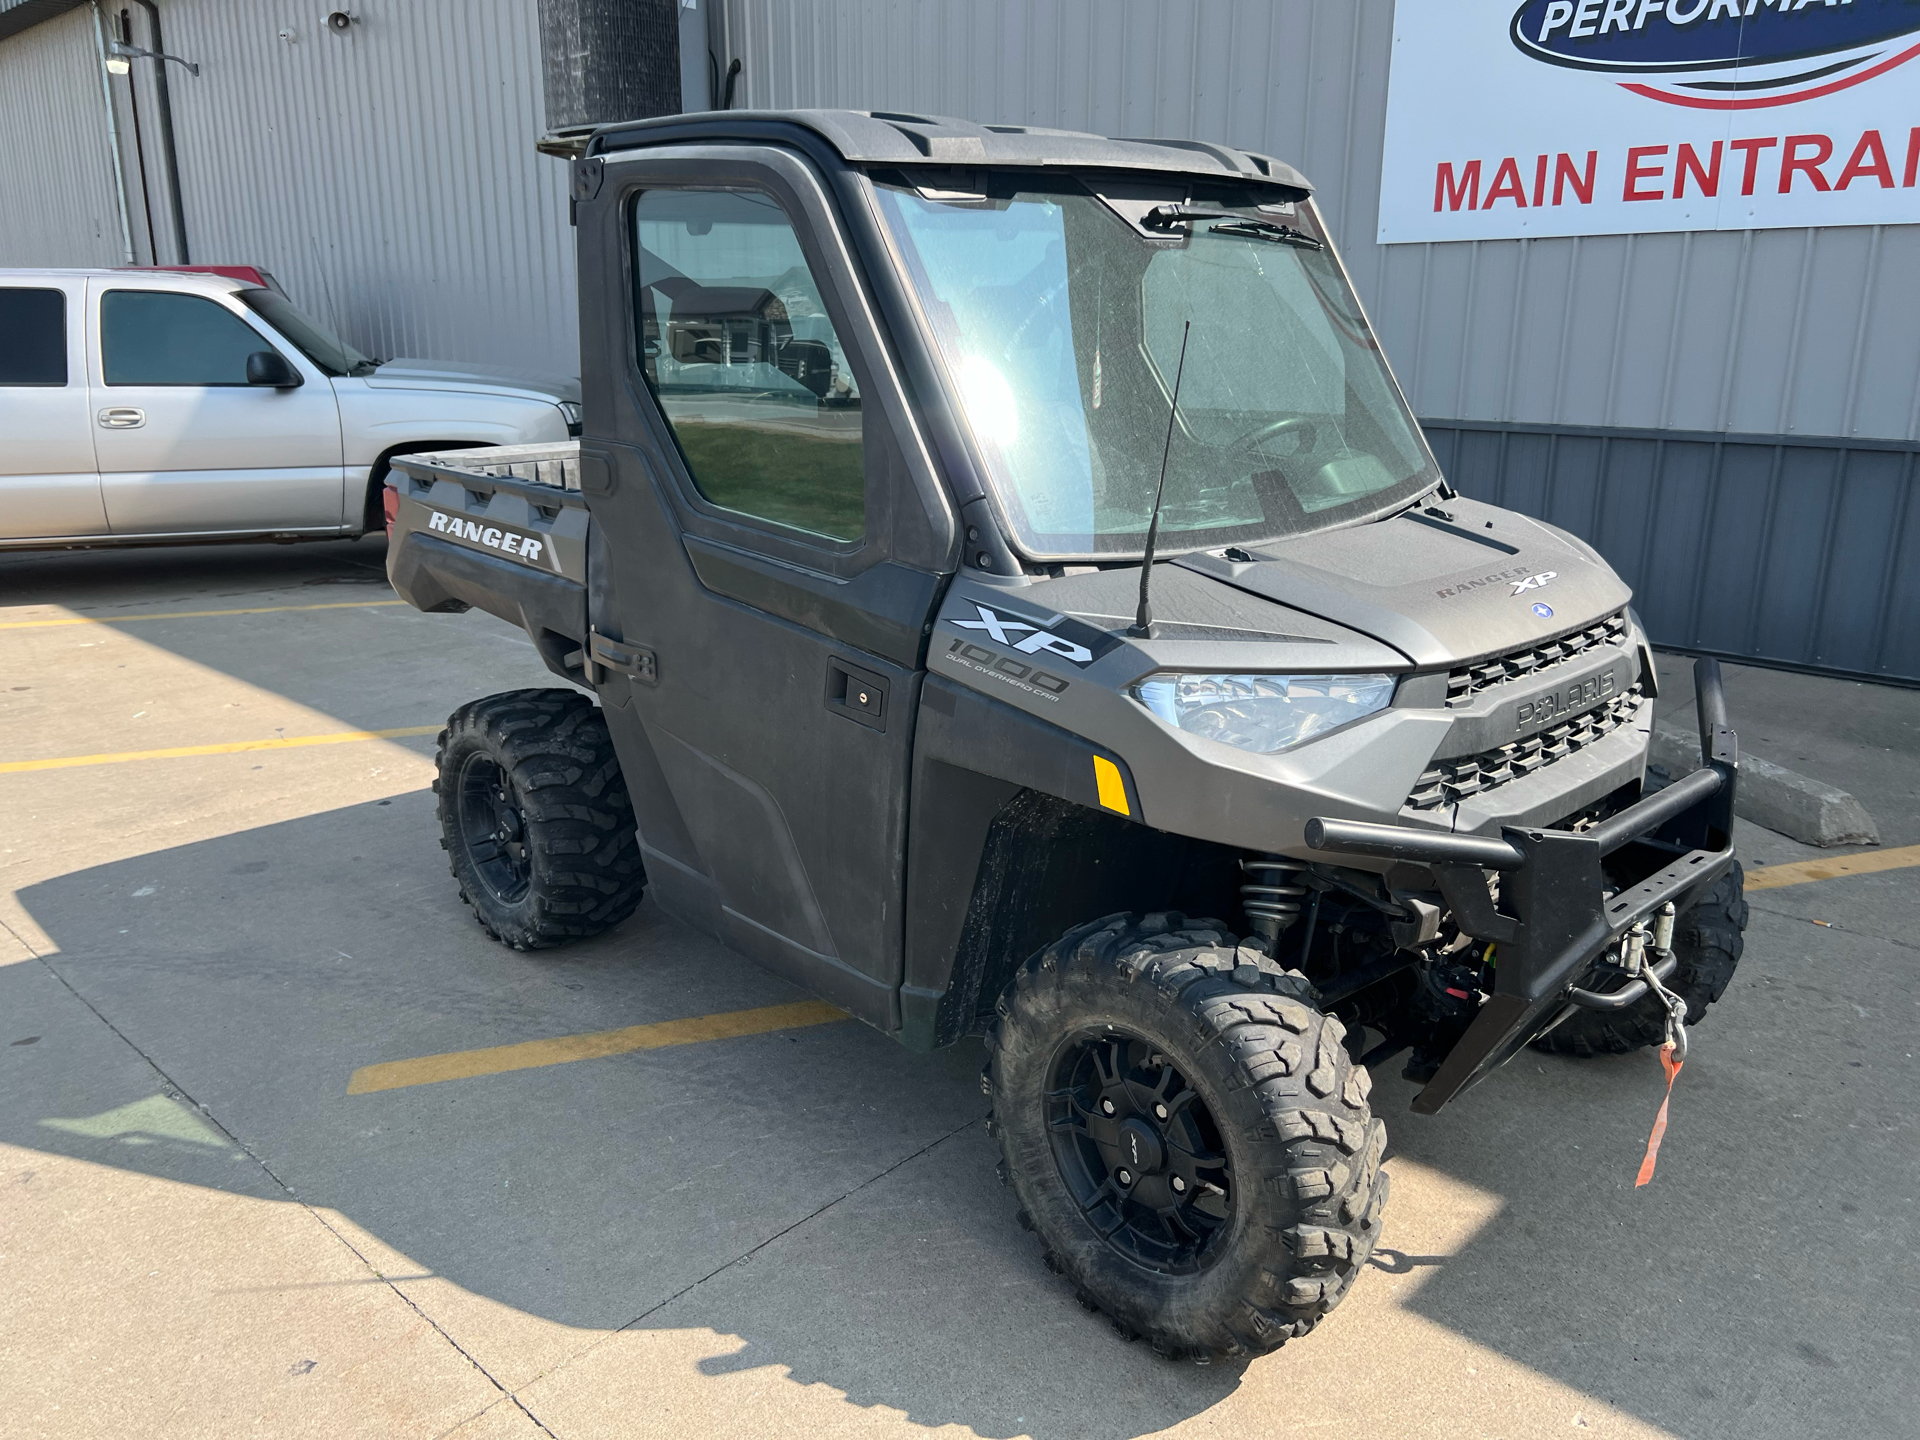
[
  {"x": 452, "y": 375},
  {"x": 1442, "y": 584}
]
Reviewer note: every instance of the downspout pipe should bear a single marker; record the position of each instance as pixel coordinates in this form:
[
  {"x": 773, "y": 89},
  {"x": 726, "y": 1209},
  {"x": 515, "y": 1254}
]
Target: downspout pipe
[
  {"x": 113, "y": 136},
  {"x": 163, "y": 103}
]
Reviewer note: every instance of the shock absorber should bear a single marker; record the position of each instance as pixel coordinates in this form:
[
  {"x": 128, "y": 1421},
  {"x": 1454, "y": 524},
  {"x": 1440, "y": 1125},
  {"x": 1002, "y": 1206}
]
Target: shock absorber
[{"x": 1272, "y": 895}]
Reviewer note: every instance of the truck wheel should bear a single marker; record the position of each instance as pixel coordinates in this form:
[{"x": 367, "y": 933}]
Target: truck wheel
[
  {"x": 1708, "y": 942},
  {"x": 535, "y": 819},
  {"x": 1185, "y": 1133}
]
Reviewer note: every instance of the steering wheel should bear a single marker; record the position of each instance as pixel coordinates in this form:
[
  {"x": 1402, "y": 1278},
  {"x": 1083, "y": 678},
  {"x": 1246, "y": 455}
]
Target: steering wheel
[{"x": 1286, "y": 424}]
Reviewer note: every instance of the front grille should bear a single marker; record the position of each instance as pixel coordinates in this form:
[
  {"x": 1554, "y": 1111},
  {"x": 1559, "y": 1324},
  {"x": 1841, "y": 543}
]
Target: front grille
[
  {"x": 1454, "y": 780},
  {"x": 1466, "y": 681}
]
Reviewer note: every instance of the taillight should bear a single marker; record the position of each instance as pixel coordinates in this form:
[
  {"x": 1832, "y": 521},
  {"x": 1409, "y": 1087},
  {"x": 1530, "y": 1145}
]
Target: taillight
[{"x": 390, "y": 503}]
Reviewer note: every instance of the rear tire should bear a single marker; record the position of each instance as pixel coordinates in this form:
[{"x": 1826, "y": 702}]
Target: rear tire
[
  {"x": 535, "y": 818},
  {"x": 1707, "y": 939},
  {"x": 1260, "y": 1192}
]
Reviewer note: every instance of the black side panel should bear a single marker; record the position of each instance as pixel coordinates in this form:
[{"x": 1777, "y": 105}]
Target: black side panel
[
  {"x": 883, "y": 609},
  {"x": 966, "y": 729},
  {"x": 433, "y": 574},
  {"x": 676, "y": 875},
  {"x": 1009, "y": 847}
]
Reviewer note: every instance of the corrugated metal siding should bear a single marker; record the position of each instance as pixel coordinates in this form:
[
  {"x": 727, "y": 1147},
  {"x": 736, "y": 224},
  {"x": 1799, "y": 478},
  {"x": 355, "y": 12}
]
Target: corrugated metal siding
[
  {"x": 58, "y": 204},
  {"x": 1780, "y": 549},
  {"x": 386, "y": 176},
  {"x": 1811, "y": 332}
]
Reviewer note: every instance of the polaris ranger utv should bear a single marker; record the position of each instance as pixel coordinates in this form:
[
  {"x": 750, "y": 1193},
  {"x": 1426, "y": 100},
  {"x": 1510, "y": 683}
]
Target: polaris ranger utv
[{"x": 991, "y": 548}]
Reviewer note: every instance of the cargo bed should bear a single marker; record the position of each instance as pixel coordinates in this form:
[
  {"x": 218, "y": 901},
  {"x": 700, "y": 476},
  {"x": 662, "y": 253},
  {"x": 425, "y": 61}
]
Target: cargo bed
[{"x": 503, "y": 529}]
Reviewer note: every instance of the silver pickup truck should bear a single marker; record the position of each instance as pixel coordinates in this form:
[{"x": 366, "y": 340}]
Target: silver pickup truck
[{"x": 148, "y": 406}]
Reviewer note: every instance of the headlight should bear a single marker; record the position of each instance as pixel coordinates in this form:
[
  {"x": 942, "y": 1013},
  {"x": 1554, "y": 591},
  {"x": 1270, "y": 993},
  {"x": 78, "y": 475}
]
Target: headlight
[
  {"x": 571, "y": 413},
  {"x": 1262, "y": 713}
]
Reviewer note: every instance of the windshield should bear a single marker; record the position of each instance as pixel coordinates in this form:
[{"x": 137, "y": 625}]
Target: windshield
[
  {"x": 315, "y": 341},
  {"x": 1061, "y": 321}
]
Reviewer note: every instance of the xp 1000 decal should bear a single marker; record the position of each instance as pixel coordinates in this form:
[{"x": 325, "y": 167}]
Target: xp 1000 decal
[{"x": 1593, "y": 117}]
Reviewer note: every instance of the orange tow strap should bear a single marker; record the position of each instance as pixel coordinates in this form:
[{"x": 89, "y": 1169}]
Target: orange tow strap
[{"x": 1672, "y": 1067}]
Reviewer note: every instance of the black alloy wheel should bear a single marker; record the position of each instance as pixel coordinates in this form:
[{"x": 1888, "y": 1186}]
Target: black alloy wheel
[
  {"x": 1185, "y": 1132},
  {"x": 535, "y": 818},
  {"x": 1139, "y": 1150},
  {"x": 493, "y": 829}
]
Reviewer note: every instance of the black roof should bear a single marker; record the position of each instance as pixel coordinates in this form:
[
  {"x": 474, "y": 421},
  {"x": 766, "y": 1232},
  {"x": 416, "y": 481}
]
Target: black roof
[{"x": 884, "y": 137}]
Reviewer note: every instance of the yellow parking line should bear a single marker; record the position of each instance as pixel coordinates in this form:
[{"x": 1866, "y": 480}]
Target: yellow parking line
[
  {"x": 1800, "y": 872},
  {"x": 235, "y": 747},
  {"x": 532, "y": 1054},
  {"x": 189, "y": 614}
]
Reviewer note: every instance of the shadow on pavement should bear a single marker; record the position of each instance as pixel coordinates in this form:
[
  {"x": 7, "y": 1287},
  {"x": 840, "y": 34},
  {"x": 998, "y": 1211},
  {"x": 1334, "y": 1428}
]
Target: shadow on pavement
[{"x": 1762, "y": 1285}]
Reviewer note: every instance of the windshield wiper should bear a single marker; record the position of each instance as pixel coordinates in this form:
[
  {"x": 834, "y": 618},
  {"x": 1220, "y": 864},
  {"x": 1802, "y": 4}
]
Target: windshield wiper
[{"x": 1247, "y": 227}]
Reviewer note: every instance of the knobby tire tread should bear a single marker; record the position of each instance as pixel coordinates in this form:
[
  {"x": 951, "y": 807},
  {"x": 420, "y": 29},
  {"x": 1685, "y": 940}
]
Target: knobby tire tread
[
  {"x": 587, "y": 871},
  {"x": 1309, "y": 1186}
]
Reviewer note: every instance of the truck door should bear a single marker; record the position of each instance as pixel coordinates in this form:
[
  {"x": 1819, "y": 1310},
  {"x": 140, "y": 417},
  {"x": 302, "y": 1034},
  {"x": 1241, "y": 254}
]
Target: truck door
[
  {"x": 769, "y": 560},
  {"x": 184, "y": 443},
  {"x": 48, "y": 483}
]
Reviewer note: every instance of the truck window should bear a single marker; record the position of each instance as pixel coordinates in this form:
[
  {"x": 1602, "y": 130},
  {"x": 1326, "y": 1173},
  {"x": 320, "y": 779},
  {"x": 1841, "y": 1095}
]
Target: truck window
[
  {"x": 148, "y": 337},
  {"x": 35, "y": 324},
  {"x": 744, "y": 363}
]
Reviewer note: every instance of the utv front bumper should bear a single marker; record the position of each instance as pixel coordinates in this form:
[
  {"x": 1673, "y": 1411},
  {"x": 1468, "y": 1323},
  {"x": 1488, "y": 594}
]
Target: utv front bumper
[{"x": 1557, "y": 911}]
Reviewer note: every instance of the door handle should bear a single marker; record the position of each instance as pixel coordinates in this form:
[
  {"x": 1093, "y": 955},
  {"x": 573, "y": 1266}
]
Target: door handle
[
  {"x": 858, "y": 694},
  {"x": 122, "y": 417}
]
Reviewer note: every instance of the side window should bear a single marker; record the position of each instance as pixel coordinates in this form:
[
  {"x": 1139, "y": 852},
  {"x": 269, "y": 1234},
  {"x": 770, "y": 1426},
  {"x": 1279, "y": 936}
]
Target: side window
[
  {"x": 35, "y": 324},
  {"x": 746, "y": 367},
  {"x": 148, "y": 337}
]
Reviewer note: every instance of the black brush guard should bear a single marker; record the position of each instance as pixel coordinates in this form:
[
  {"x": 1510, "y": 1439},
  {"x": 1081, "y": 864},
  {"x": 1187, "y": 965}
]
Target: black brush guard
[{"x": 1554, "y": 916}]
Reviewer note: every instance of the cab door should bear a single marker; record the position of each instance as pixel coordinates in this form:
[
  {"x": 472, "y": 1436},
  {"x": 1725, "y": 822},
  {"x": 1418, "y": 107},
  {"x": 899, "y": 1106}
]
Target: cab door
[
  {"x": 48, "y": 483},
  {"x": 770, "y": 554},
  {"x": 185, "y": 445}
]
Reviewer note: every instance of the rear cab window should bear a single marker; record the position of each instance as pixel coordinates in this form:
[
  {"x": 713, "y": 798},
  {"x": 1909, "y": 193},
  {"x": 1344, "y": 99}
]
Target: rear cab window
[{"x": 34, "y": 321}]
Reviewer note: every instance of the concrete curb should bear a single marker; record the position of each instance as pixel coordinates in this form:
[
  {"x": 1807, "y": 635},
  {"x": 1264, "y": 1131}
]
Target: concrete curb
[{"x": 1774, "y": 796}]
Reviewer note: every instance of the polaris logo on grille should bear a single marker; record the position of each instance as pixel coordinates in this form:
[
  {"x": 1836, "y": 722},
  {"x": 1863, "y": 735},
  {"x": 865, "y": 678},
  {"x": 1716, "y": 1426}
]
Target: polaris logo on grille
[
  {"x": 1581, "y": 695},
  {"x": 522, "y": 547}
]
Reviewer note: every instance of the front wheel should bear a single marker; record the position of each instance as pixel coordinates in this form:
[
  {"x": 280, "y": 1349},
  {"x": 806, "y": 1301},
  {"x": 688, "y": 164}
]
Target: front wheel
[
  {"x": 1185, "y": 1133},
  {"x": 535, "y": 818}
]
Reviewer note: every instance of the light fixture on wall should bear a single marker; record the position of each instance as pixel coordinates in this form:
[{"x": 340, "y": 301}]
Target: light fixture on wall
[{"x": 120, "y": 58}]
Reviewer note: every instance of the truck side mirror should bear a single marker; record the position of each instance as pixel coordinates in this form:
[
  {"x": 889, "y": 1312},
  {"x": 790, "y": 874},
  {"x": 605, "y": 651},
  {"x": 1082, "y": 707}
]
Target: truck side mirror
[{"x": 270, "y": 367}]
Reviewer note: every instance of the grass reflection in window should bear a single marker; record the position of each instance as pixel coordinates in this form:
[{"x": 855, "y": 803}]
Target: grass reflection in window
[{"x": 739, "y": 351}]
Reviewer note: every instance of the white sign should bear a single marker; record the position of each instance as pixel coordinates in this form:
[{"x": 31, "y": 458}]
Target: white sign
[{"x": 1609, "y": 117}]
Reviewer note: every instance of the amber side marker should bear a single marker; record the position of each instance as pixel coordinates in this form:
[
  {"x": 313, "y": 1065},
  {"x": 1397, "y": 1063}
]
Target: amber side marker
[
  {"x": 563, "y": 1049},
  {"x": 1112, "y": 789}
]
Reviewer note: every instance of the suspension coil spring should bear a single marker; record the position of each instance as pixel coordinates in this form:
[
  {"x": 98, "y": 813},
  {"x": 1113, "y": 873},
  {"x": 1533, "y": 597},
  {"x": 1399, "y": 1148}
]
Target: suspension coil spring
[{"x": 1272, "y": 895}]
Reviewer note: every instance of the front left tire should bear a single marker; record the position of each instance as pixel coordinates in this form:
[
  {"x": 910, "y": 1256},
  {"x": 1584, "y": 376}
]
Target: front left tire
[{"x": 1186, "y": 1134}]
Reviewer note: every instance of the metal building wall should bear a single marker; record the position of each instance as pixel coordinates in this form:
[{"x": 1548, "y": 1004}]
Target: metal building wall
[
  {"x": 58, "y": 201},
  {"x": 387, "y": 175},
  {"x": 1723, "y": 344}
]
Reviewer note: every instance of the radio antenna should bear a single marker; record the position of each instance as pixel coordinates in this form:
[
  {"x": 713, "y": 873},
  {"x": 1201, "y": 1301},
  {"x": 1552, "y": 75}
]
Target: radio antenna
[{"x": 1143, "y": 618}]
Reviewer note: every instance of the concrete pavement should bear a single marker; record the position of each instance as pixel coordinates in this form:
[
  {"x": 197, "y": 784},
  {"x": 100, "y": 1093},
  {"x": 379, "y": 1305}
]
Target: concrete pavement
[{"x": 792, "y": 1232}]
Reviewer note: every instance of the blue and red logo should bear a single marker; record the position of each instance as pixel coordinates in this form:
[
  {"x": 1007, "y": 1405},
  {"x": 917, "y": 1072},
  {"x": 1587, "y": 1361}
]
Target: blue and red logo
[{"x": 1723, "y": 54}]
